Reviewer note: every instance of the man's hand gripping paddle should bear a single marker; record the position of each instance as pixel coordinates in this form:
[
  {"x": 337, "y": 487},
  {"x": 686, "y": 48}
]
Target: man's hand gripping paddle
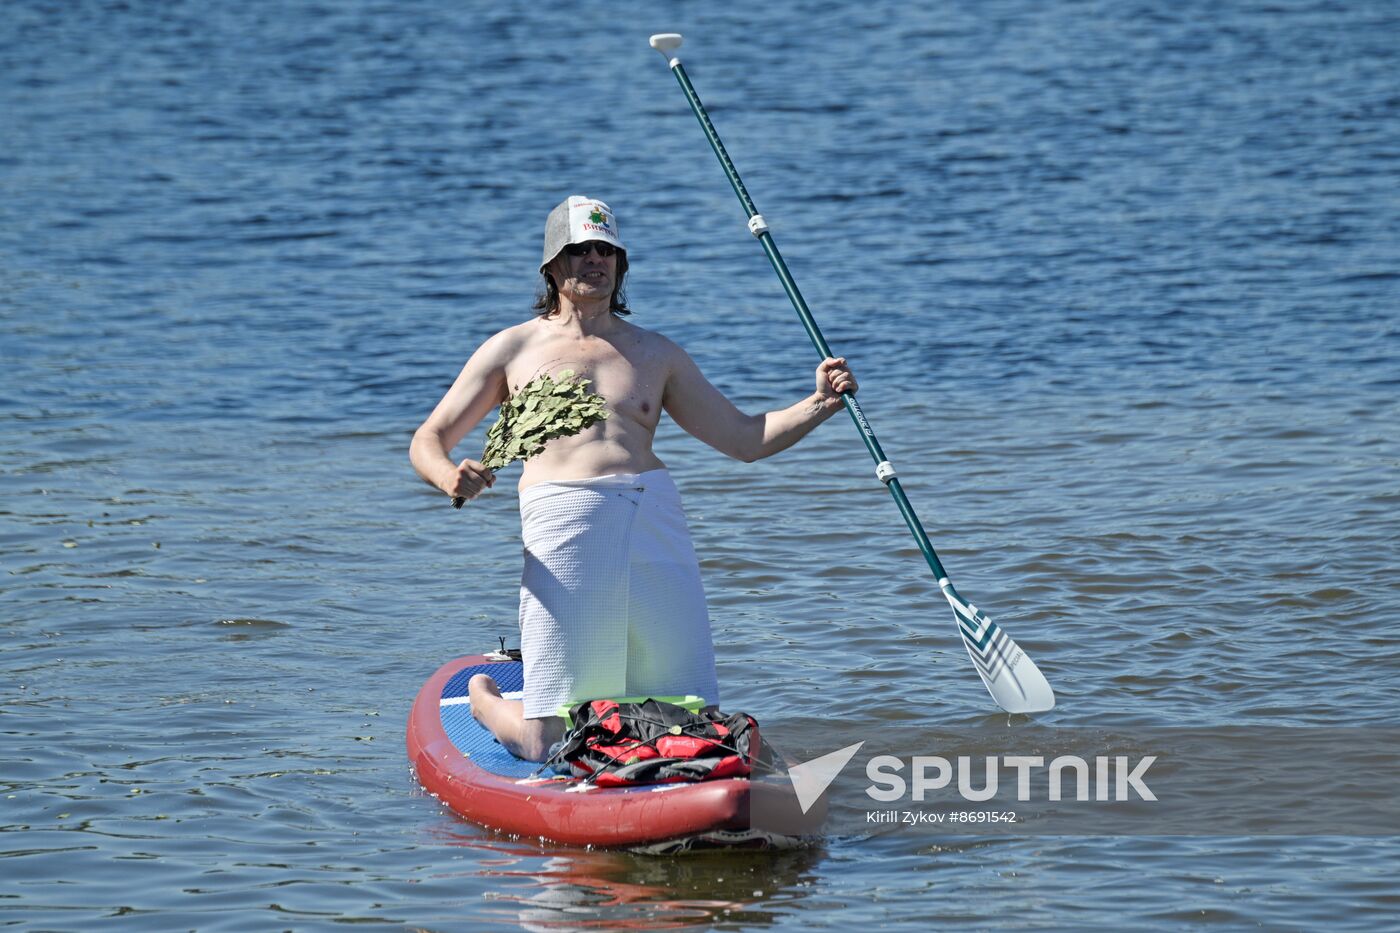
[{"x": 1011, "y": 677}]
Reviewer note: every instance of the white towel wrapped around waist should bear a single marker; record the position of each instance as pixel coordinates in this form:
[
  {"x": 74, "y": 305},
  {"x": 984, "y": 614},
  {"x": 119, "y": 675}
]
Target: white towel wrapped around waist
[{"x": 611, "y": 602}]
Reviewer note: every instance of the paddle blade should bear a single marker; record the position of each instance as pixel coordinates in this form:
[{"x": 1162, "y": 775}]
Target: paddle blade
[{"x": 1012, "y": 678}]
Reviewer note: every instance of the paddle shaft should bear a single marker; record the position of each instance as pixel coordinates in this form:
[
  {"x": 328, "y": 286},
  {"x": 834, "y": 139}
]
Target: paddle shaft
[{"x": 765, "y": 238}]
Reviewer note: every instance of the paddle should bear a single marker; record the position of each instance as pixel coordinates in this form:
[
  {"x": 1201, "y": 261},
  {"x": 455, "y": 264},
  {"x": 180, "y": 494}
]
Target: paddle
[{"x": 1011, "y": 677}]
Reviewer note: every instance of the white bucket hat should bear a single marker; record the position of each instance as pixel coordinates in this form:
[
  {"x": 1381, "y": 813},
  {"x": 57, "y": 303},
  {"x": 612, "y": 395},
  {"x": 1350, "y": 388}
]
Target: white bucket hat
[{"x": 577, "y": 219}]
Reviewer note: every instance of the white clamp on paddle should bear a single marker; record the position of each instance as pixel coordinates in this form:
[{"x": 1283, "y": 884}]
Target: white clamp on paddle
[
  {"x": 884, "y": 472},
  {"x": 757, "y": 225},
  {"x": 666, "y": 43}
]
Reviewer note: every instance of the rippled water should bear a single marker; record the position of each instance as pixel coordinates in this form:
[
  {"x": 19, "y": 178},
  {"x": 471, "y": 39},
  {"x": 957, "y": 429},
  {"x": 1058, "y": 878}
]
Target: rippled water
[{"x": 1120, "y": 283}]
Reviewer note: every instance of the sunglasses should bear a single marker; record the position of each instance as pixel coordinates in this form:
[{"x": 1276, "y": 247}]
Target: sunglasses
[{"x": 582, "y": 249}]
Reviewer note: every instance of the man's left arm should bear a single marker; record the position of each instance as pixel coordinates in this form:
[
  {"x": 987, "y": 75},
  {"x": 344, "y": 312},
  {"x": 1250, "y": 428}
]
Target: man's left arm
[{"x": 704, "y": 412}]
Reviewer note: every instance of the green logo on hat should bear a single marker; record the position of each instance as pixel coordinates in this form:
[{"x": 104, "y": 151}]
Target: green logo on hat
[{"x": 598, "y": 217}]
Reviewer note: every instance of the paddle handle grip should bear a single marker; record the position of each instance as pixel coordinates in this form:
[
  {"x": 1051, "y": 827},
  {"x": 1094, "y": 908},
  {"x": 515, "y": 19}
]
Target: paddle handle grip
[{"x": 666, "y": 43}]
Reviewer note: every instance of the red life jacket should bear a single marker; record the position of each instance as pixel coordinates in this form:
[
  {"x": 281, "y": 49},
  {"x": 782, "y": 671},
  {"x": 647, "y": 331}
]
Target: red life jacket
[{"x": 619, "y": 744}]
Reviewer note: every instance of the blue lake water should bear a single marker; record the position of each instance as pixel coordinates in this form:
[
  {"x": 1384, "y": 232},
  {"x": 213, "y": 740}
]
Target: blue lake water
[{"x": 1120, "y": 282}]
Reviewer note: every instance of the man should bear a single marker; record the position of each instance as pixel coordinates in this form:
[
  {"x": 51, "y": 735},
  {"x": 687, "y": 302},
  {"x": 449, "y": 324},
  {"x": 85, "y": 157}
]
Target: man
[{"x": 611, "y": 602}]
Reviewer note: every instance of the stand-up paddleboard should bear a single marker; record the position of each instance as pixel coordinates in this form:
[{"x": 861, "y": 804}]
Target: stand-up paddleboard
[{"x": 461, "y": 763}]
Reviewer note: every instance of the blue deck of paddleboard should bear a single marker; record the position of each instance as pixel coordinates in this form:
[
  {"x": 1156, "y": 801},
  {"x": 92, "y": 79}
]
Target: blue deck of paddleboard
[{"x": 470, "y": 737}]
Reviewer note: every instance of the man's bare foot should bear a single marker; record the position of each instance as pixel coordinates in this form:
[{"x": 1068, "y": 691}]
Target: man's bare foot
[
  {"x": 479, "y": 688},
  {"x": 526, "y": 738}
]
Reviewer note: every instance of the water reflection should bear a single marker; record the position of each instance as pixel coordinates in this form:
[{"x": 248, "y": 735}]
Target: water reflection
[{"x": 560, "y": 888}]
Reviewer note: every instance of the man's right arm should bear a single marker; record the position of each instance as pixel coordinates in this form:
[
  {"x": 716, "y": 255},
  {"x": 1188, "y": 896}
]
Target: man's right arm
[
  {"x": 480, "y": 387},
  {"x": 704, "y": 412}
]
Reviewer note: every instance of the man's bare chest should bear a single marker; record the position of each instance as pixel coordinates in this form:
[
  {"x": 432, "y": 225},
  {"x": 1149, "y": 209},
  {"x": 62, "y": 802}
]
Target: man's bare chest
[{"x": 628, "y": 373}]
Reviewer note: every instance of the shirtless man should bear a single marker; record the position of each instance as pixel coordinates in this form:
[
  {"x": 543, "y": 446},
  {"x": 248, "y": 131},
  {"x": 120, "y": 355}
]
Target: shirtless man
[{"x": 580, "y": 327}]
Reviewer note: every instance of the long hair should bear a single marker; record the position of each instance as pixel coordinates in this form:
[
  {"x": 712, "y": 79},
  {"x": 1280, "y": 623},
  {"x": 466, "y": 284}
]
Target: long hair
[{"x": 547, "y": 301}]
